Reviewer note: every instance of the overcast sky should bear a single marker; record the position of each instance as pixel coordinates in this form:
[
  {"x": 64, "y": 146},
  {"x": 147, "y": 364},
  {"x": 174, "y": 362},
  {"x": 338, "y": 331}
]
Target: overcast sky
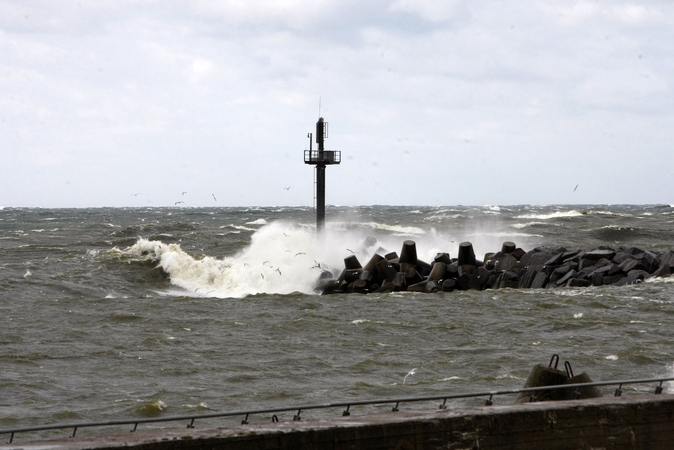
[{"x": 430, "y": 102}]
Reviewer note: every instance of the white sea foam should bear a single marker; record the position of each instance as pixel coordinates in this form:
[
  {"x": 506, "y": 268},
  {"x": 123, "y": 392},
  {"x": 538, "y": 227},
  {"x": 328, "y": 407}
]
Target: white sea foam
[
  {"x": 554, "y": 215},
  {"x": 284, "y": 258},
  {"x": 526, "y": 224}
]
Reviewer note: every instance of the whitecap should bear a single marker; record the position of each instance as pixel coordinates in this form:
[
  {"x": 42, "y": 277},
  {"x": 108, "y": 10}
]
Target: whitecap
[{"x": 555, "y": 215}]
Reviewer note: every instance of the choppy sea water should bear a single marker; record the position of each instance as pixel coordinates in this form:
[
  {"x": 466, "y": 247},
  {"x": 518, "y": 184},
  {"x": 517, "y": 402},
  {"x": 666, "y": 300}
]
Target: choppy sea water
[{"x": 122, "y": 313}]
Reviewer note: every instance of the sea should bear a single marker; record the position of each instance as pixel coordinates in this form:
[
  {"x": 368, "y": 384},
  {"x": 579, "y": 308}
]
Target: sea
[{"x": 122, "y": 313}]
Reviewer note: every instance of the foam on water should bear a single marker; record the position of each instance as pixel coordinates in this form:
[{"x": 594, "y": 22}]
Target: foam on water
[
  {"x": 284, "y": 258},
  {"x": 554, "y": 215}
]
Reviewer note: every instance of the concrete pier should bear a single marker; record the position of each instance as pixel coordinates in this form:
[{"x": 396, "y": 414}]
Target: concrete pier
[{"x": 644, "y": 422}]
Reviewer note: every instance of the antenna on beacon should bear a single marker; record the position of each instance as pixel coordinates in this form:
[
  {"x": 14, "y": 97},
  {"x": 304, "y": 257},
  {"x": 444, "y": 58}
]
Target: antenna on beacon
[{"x": 320, "y": 158}]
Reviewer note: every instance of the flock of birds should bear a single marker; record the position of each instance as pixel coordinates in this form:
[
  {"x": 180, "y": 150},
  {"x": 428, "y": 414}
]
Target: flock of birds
[{"x": 179, "y": 202}]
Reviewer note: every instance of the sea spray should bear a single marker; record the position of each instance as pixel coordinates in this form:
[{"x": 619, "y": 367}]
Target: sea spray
[{"x": 285, "y": 258}]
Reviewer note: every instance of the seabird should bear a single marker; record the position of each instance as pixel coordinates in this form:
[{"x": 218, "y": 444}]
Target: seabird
[
  {"x": 300, "y": 253},
  {"x": 214, "y": 197},
  {"x": 288, "y": 188},
  {"x": 179, "y": 203},
  {"x": 574, "y": 189},
  {"x": 279, "y": 271},
  {"x": 136, "y": 195},
  {"x": 184, "y": 193},
  {"x": 411, "y": 372}
]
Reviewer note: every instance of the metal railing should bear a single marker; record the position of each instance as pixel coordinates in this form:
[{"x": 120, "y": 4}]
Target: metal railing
[
  {"x": 346, "y": 404},
  {"x": 329, "y": 157}
]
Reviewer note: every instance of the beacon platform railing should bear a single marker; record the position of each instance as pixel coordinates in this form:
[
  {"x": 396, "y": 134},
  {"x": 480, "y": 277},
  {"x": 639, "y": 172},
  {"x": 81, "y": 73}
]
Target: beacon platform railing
[
  {"x": 346, "y": 404},
  {"x": 329, "y": 157}
]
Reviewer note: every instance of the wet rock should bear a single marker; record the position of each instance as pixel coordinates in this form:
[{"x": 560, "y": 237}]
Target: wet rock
[
  {"x": 511, "y": 267},
  {"x": 466, "y": 254}
]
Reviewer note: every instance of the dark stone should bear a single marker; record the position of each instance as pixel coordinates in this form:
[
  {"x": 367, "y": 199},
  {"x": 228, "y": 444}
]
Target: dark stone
[
  {"x": 452, "y": 271},
  {"x": 351, "y": 275},
  {"x": 527, "y": 279},
  {"x": 570, "y": 274},
  {"x": 387, "y": 287},
  {"x": 597, "y": 279},
  {"x": 466, "y": 269},
  {"x": 479, "y": 279},
  {"x": 399, "y": 282},
  {"x": 391, "y": 256},
  {"x": 417, "y": 287},
  {"x": 631, "y": 264},
  {"x": 411, "y": 274},
  {"x": 466, "y": 254},
  {"x": 540, "y": 281},
  {"x": 431, "y": 286},
  {"x": 668, "y": 259},
  {"x": 621, "y": 256},
  {"x": 535, "y": 258},
  {"x": 518, "y": 253},
  {"x": 463, "y": 282},
  {"x": 559, "y": 272},
  {"x": 408, "y": 254},
  {"x": 663, "y": 271},
  {"x": 385, "y": 271},
  {"x": 570, "y": 254},
  {"x": 504, "y": 262},
  {"x": 554, "y": 260},
  {"x": 585, "y": 263},
  {"x": 649, "y": 261},
  {"x": 637, "y": 276},
  {"x": 373, "y": 262},
  {"x": 579, "y": 282},
  {"x": 596, "y": 255},
  {"x": 492, "y": 283},
  {"x": 613, "y": 279},
  {"x": 448, "y": 285},
  {"x": 551, "y": 250},
  {"x": 443, "y": 258},
  {"x": 508, "y": 247},
  {"x": 437, "y": 272},
  {"x": 423, "y": 268},
  {"x": 508, "y": 280},
  {"x": 351, "y": 262}
]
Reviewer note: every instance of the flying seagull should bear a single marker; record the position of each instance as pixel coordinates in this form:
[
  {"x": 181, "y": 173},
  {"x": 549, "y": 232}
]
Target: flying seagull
[
  {"x": 574, "y": 189},
  {"x": 214, "y": 197},
  {"x": 288, "y": 188},
  {"x": 136, "y": 195},
  {"x": 411, "y": 372},
  {"x": 177, "y": 203},
  {"x": 184, "y": 193}
]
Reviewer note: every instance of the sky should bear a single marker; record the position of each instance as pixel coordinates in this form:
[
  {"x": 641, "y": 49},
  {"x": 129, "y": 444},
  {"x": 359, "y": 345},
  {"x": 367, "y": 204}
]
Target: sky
[{"x": 130, "y": 103}]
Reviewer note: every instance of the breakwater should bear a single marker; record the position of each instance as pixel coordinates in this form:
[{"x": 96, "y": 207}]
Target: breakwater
[
  {"x": 511, "y": 267},
  {"x": 633, "y": 422}
]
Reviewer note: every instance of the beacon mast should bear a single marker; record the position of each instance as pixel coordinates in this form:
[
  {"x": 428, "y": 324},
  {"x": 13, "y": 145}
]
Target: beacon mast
[{"x": 321, "y": 158}]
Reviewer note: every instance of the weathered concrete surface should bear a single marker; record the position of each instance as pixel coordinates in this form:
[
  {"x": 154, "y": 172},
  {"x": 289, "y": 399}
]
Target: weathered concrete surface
[{"x": 641, "y": 422}]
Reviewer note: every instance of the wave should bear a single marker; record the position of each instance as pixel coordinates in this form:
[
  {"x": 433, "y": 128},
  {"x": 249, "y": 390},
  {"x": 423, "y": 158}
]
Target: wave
[
  {"x": 396, "y": 229},
  {"x": 554, "y": 215}
]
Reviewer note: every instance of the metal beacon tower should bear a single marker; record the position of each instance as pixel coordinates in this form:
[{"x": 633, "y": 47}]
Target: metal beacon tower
[{"x": 321, "y": 158}]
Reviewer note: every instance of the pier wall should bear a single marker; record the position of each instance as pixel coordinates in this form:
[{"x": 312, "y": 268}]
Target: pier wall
[{"x": 630, "y": 422}]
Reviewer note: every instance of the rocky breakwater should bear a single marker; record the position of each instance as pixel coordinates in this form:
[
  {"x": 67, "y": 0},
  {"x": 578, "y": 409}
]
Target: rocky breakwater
[{"x": 511, "y": 267}]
